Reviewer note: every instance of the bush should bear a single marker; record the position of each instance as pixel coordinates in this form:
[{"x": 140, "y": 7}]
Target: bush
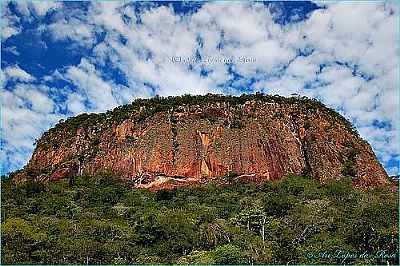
[
  {"x": 307, "y": 124},
  {"x": 237, "y": 123},
  {"x": 228, "y": 254},
  {"x": 165, "y": 194},
  {"x": 348, "y": 169}
]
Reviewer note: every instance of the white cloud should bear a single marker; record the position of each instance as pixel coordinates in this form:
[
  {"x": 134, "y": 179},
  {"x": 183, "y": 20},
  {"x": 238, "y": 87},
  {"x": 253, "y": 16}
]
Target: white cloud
[
  {"x": 109, "y": 14},
  {"x": 17, "y": 73},
  {"x": 354, "y": 43},
  {"x": 9, "y": 30},
  {"x": 25, "y": 114},
  {"x": 38, "y": 101},
  {"x": 97, "y": 91},
  {"x": 42, "y": 7},
  {"x": 303, "y": 68},
  {"x": 9, "y": 23},
  {"x": 72, "y": 29},
  {"x": 75, "y": 103}
]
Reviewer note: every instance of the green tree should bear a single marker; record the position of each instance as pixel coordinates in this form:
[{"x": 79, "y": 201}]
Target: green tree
[
  {"x": 228, "y": 254},
  {"x": 19, "y": 240}
]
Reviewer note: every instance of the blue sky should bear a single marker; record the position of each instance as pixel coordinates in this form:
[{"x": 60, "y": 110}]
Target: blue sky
[{"x": 60, "y": 59}]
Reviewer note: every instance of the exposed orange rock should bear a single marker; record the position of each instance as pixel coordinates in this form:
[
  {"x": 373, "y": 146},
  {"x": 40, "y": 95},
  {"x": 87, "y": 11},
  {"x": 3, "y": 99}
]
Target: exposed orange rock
[
  {"x": 60, "y": 174},
  {"x": 191, "y": 143}
]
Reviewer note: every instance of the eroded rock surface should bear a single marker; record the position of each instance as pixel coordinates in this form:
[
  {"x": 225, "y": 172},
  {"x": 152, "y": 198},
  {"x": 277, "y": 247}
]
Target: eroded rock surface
[{"x": 259, "y": 139}]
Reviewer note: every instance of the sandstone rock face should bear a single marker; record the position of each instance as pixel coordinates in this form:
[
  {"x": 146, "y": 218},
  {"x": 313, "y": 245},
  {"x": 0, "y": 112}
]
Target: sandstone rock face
[
  {"x": 60, "y": 174},
  {"x": 187, "y": 143}
]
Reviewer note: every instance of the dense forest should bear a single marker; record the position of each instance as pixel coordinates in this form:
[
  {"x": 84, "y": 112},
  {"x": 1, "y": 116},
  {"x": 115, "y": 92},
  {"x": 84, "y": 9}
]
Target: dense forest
[{"x": 102, "y": 220}]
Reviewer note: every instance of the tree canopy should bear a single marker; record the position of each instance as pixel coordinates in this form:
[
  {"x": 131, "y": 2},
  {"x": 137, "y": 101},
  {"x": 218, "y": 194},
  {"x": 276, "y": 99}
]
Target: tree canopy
[{"x": 101, "y": 220}]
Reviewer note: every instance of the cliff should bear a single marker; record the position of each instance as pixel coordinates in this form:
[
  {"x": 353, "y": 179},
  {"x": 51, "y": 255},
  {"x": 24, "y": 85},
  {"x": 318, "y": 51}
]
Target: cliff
[{"x": 176, "y": 141}]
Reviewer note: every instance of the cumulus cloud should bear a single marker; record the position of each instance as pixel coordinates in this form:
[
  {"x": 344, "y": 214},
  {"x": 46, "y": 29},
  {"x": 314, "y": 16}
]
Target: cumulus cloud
[
  {"x": 16, "y": 73},
  {"x": 95, "y": 89},
  {"x": 10, "y": 23},
  {"x": 75, "y": 103},
  {"x": 42, "y": 7},
  {"x": 345, "y": 54},
  {"x": 38, "y": 102},
  {"x": 25, "y": 114},
  {"x": 73, "y": 30}
]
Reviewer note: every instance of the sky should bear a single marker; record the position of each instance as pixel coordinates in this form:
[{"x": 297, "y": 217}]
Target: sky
[{"x": 60, "y": 59}]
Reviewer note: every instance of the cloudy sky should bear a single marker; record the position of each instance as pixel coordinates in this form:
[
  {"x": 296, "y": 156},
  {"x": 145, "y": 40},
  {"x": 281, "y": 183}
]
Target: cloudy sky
[{"x": 60, "y": 59}]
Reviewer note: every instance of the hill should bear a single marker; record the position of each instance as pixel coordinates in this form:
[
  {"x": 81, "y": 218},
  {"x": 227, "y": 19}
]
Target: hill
[
  {"x": 176, "y": 141},
  {"x": 179, "y": 141},
  {"x": 254, "y": 179}
]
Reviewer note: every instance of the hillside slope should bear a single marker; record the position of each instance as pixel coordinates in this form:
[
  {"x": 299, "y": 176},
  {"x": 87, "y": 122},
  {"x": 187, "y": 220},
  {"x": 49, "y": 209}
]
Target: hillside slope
[
  {"x": 175, "y": 141},
  {"x": 292, "y": 221}
]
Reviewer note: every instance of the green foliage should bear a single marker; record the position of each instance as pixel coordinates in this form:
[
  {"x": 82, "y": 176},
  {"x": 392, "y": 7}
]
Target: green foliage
[
  {"x": 209, "y": 116},
  {"x": 165, "y": 194},
  {"x": 95, "y": 141},
  {"x": 237, "y": 123},
  {"x": 102, "y": 220},
  {"x": 279, "y": 115},
  {"x": 142, "y": 109},
  {"x": 198, "y": 257},
  {"x": 69, "y": 126},
  {"x": 32, "y": 187},
  {"x": 232, "y": 174},
  {"x": 217, "y": 145},
  {"x": 236, "y": 120},
  {"x": 348, "y": 169},
  {"x": 130, "y": 139},
  {"x": 228, "y": 254},
  {"x": 307, "y": 124},
  {"x": 231, "y": 177}
]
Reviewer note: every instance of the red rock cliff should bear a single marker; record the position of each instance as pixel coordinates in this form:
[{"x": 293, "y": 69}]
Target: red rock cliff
[{"x": 177, "y": 141}]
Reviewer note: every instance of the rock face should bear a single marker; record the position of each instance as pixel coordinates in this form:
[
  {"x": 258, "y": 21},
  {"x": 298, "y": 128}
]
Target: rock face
[{"x": 163, "y": 143}]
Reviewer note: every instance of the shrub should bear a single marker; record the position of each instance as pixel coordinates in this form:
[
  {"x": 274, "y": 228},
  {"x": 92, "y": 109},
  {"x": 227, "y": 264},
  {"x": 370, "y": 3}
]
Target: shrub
[
  {"x": 237, "y": 123},
  {"x": 307, "y": 124},
  {"x": 165, "y": 194},
  {"x": 348, "y": 169},
  {"x": 227, "y": 254}
]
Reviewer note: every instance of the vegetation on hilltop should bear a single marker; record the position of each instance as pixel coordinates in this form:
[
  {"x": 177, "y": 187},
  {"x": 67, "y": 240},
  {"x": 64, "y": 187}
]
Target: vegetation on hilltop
[
  {"x": 145, "y": 108},
  {"x": 101, "y": 220}
]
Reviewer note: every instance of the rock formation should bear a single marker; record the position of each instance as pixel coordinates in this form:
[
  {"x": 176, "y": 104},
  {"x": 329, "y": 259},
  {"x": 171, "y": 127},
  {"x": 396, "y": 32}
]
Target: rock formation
[{"x": 176, "y": 141}]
